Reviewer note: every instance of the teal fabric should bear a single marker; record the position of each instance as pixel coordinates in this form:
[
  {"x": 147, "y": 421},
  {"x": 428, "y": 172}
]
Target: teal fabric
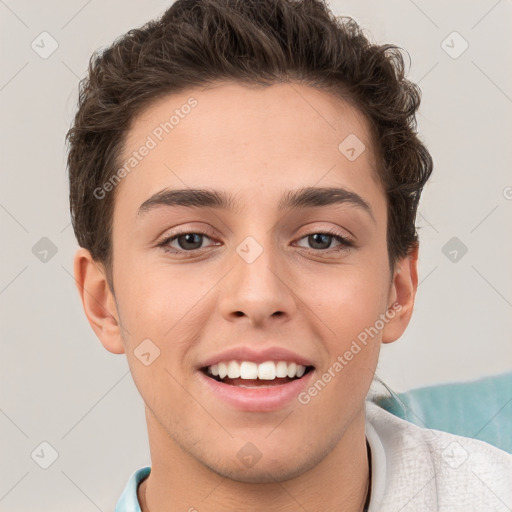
[{"x": 480, "y": 409}]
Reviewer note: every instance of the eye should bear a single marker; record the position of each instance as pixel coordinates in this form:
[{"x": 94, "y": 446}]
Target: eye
[
  {"x": 185, "y": 241},
  {"x": 321, "y": 241}
]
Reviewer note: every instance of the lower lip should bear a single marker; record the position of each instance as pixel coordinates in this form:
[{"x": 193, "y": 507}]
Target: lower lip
[{"x": 261, "y": 399}]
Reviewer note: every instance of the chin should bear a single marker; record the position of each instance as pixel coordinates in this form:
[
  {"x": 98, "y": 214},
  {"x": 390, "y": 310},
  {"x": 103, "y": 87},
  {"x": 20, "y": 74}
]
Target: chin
[{"x": 267, "y": 471}]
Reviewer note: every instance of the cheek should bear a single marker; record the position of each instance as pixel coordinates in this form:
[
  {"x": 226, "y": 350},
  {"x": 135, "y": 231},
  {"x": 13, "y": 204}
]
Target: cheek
[
  {"x": 166, "y": 305},
  {"x": 348, "y": 300},
  {"x": 147, "y": 293},
  {"x": 349, "y": 304}
]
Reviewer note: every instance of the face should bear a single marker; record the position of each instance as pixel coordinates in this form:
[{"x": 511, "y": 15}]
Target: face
[{"x": 278, "y": 264}]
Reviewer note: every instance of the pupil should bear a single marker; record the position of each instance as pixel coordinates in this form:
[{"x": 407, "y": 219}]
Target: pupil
[
  {"x": 324, "y": 238},
  {"x": 189, "y": 237}
]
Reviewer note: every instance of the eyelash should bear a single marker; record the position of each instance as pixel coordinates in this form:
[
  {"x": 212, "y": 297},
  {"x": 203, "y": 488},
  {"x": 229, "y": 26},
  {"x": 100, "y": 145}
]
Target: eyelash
[{"x": 345, "y": 244}]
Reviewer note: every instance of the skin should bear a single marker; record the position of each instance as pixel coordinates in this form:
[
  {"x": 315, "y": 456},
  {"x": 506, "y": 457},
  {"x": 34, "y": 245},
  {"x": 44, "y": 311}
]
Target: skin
[{"x": 254, "y": 143}]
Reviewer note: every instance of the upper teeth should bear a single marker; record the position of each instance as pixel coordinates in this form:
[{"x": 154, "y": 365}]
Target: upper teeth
[{"x": 268, "y": 370}]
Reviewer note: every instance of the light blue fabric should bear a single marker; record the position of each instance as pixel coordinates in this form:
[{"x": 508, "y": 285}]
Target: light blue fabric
[
  {"x": 480, "y": 409},
  {"x": 128, "y": 501}
]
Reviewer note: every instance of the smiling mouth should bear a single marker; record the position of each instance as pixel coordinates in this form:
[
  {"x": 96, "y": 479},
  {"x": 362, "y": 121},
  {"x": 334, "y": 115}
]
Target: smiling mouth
[{"x": 247, "y": 374}]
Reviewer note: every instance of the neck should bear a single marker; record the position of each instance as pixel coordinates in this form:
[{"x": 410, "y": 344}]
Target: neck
[{"x": 339, "y": 481}]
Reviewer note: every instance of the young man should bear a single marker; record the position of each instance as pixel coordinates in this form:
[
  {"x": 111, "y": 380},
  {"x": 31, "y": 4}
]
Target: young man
[{"x": 244, "y": 179}]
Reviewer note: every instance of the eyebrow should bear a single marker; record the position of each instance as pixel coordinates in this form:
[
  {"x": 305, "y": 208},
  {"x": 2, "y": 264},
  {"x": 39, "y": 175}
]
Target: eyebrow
[{"x": 292, "y": 199}]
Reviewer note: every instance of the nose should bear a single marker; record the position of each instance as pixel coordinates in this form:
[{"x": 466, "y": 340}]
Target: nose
[{"x": 257, "y": 290}]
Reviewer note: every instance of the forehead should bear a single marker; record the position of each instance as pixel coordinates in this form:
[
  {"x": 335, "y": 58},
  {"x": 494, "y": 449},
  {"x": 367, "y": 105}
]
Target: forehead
[{"x": 284, "y": 136}]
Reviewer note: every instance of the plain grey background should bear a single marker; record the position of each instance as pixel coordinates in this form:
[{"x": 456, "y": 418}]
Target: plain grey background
[{"x": 61, "y": 387}]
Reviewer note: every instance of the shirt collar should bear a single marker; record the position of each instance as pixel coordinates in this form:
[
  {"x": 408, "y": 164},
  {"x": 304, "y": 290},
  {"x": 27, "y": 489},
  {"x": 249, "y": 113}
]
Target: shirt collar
[{"x": 128, "y": 501}]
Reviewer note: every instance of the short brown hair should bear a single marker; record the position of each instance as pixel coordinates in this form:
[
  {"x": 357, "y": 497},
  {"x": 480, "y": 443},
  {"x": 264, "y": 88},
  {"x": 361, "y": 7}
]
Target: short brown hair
[{"x": 201, "y": 42}]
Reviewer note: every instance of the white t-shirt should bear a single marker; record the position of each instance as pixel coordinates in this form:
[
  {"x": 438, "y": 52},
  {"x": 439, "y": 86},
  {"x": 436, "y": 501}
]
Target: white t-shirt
[{"x": 415, "y": 469}]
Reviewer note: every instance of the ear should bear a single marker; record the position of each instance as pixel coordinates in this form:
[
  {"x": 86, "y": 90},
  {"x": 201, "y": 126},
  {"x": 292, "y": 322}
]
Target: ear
[
  {"x": 98, "y": 301},
  {"x": 401, "y": 296}
]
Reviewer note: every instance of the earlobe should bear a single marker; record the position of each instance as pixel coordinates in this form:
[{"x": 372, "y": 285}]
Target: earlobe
[
  {"x": 401, "y": 296},
  {"x": 97, "y": 300}
]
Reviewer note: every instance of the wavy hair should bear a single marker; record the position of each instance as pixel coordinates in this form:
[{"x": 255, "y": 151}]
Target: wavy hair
[{"x": 201, "y": 42}]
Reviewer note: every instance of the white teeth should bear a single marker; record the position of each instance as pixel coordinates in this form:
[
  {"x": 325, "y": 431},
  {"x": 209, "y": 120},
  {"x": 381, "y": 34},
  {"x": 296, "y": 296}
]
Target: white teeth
[
  {"x": 281, "y": 369},
  {"x": 292, "y": 370},
  {"x": 248, "y": 370},
  {"x": 223, "y": 370},
  {"x": 267, "y": 370},
  {"x": 233, "y": 370}
]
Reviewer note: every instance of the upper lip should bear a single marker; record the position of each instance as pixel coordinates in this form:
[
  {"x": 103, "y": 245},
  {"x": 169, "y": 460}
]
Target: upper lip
[{"x": 248, "y": 353}]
